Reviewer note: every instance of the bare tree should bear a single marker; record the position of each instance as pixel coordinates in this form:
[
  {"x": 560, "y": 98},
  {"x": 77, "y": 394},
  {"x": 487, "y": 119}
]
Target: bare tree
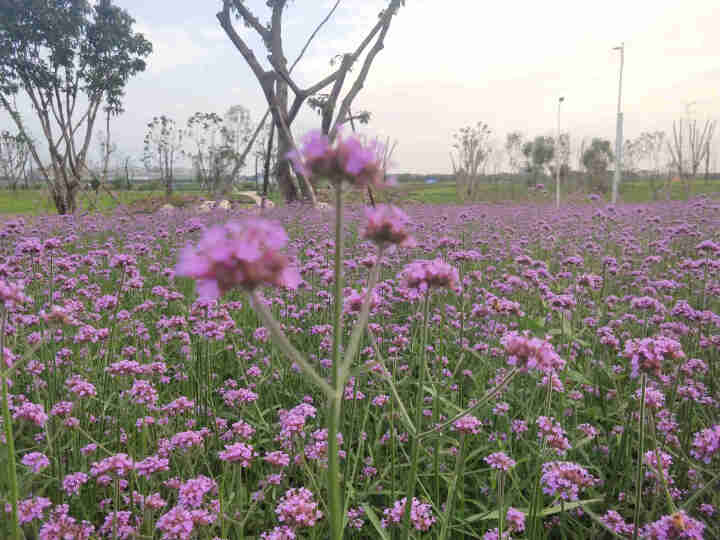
[
  {"x": 649, "y": 147},
  {"x": 276, "y": 80},
  {"x": 513, "y": 148},
  {"x": 679, "y": 158},
  {"x": 214, "y": 147},
  {"x": 14, "y": 157},
  {"x": 699, "y": 143},
  {"x": 163, "y": 143},
  {"x": 471, "y": 150}
]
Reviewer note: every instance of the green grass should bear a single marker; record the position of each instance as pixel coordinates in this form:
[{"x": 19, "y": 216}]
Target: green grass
[{"x": 36, "y": 202}]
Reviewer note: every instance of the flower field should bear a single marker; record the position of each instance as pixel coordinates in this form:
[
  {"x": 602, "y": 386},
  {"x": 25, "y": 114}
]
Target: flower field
[{"x": 516, "y": 372}]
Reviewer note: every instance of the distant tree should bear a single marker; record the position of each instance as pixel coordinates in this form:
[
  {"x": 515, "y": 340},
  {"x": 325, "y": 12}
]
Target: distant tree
[
  {"x": 649, "y": 148},
  {"x": 471, "y": 150},
  {"x": 630, "y": 155},
  {"x": 239, "y": 126},
  {"x": 214, "y": 146},
  {"x": 70, "y": 58},
  {"x": 688, "y": 153},
  {"x": 699, "y": 143},
  {"x": 539, "y": 154},
  {"x": 596, "y": 159},
  {"x": 276, "y": 79},
  {"x": 162, "y": 146},
  {"x": 513, "y": 148},
  {"x": 14, "y": 157}
]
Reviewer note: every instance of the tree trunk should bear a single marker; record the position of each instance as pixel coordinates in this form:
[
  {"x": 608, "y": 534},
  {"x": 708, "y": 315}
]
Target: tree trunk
[{"x": 284, "y": 175}]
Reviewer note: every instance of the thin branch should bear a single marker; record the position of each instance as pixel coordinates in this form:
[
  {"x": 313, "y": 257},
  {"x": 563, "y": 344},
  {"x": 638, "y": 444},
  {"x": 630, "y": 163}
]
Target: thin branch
[{"x": 315, "y": 33}]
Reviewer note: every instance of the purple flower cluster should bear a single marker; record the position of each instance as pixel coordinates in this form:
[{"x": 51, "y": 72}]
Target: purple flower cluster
[
  {"x": 421, "y": 516},
  {"x": 531, "y": 353},
  {"x": 565, "y": 479},
  {"x": 648, "y": 355}
]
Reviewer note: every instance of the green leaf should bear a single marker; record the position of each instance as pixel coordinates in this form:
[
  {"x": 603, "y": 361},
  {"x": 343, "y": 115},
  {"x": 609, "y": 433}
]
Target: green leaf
[
  {"x": 549, "y": 511},
  {"x": 372, "y": 516}
]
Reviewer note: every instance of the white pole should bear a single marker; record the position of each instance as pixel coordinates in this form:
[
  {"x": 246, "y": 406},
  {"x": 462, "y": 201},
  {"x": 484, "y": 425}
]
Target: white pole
[
  {"x": 557, "y": 158},
  {"x": 618, "y": 130}
]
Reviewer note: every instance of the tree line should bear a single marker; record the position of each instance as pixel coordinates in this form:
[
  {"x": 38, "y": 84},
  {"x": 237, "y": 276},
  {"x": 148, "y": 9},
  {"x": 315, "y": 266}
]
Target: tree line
[{"x": 686, "y": 154}]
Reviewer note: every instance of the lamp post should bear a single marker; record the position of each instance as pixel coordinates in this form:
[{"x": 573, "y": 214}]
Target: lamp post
[
  {"x": 557, "y": 157},
  {"x": 618, "y": 129}
]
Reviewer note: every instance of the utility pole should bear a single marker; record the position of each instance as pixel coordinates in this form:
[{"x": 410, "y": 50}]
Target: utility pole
[
  {"x": 557, "y": 157},
  {"x": 618, "y": 129}
]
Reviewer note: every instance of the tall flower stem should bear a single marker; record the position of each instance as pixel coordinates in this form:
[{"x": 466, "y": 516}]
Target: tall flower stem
[
  {"x": 415, "y": 449},
  {"x": 501, "y": 502},
  {"x": 641, "y": 450},
  {"x": 7, "y": 421},
  {"x": 334, "y": 492},
  {"x": 459, "y": 467}
]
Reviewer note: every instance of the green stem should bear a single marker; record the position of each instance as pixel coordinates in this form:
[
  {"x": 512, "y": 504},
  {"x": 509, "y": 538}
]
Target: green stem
[
  {"x": 639, "y": 475},
  {"x": 334, "y": 492},
  {"x": 459, "y": 467},
  {"x": 7, "y": 421},
  {"x": 415, "y": 450},
  {"x": 501, "y": 502}
]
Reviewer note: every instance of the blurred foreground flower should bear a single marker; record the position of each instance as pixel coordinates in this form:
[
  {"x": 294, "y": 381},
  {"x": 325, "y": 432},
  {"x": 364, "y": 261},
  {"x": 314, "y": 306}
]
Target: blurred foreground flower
[
  {"x": 238, "y": 254},
  {"x": 387, "y": 225},
  {"x": 347, "y": 159}
]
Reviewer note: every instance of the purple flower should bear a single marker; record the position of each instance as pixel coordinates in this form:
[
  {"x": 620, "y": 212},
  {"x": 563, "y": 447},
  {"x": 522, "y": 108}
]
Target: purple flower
[
  {"x": 420, "y": 514},
  {"x": 422, "y": 275},
  {"x": 297, "y": 508},
  {"x": 387, "y": 225},
  {"x": 12, "y": 293},
  {"x": 467, "y": 424},
  {"x": 648, "y": 355},
  {"x": 73, "y": 482},
  {"x": 500, "y": 461},
  {"x": 706, "y": 444},
  {"x": 36, "y": 461},
  {"x": 238, "y": 453},
  {"x": 565, "y": 479},
  {"x": 238, "y": 254},
  {"x": 675, "y": 526},
  {"x": 349, "y": 159}
]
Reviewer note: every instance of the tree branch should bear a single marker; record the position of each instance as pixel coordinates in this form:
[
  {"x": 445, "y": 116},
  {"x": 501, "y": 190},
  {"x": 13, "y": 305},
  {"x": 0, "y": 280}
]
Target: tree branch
[
  {"x": 226, "y": 24},
  {"x": 315, "y": 33},
  {"x": 386, "y": 19},
  {"x": 250, "y": 19}
]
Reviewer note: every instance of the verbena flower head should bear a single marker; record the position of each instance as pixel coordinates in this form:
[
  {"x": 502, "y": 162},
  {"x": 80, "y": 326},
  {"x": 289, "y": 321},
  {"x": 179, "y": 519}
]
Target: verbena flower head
[
  {"x": 531, "y": 353},
  {"x": 500, "y": 461},
  {"x": 239, "y": 254},
  {"x": 422, "y": 275},
  {"x": 467, "y": 424},
  {"x": 565, "y": 479},
  {"x": 298, "y": 508},
  {"x": 675, "y": 526},
  {"x": 12, "y": 293},
  {"x": 349, "y": 159},
  {"x": 420, "y": 514},
  {"x": 387, "y": 225},
  {"x": 648, "y": 355}
]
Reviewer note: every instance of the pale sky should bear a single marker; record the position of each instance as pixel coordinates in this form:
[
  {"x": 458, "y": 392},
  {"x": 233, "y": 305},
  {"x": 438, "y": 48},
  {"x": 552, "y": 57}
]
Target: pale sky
[{"x": 447, "y": 64}]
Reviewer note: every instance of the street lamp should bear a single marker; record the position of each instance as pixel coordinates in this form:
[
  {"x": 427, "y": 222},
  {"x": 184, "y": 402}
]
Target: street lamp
[
  {"x": 618, "y": 129},
  {"x": 557, "y": 157}
]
